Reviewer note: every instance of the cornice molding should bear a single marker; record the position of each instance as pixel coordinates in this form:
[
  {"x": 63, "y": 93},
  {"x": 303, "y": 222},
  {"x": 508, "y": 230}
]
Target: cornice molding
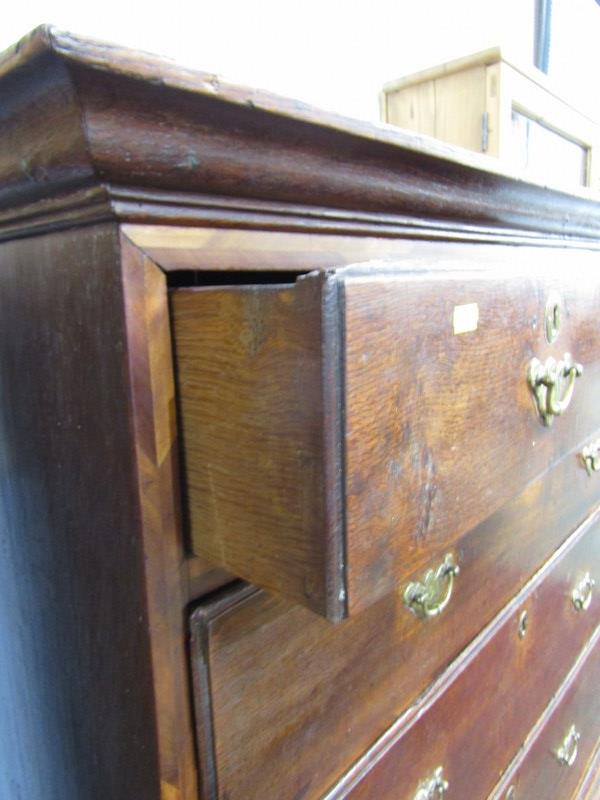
[
  {"x": 141, "y": 206},
  {"x": 79, "y": 119}
]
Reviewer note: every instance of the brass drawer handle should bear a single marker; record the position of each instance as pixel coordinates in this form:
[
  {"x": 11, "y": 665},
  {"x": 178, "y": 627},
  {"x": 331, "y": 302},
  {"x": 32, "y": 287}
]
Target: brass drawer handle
[
  {"x": 429, "y": 597},
  {"x": 590, "y": 455},
  {"x": 433, "y": 787},
  {"x": 567, "y": 752},
  {"x": 582, "y": 593},
  {"x": 552, "y": 384}
]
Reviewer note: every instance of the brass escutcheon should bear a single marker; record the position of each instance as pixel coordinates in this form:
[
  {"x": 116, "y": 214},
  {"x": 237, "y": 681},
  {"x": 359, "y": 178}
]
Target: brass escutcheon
[
  {"x": 523, "y": 623},
  {"x": 552, "y": 317},
  {"x": 552, "y": 384},
  {"x": 582, "y": 593},
  {"x": 429, "y": 597},
  {"x": 567, "y": 752},
  {"x": 590, "y": 456},
  {"x": 433, "y": 787}
]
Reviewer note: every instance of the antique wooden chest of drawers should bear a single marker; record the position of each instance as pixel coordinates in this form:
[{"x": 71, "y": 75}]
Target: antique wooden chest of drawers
[{"x": 301, "y": 450}]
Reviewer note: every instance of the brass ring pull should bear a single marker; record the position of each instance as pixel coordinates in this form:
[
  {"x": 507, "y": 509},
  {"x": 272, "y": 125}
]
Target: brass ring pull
[
  {"x": 567, "y": 752},
  {"x": 582, "y": 593},
  {"x": 552, "y": 384},
  {"x": 429, "y": 597},
  {"x": 433, "y": 787},
  {"x": 590, "y": 455}
]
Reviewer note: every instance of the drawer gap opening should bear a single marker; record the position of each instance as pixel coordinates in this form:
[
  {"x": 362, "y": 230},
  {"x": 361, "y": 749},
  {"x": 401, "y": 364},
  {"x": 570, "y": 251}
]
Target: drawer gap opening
[{"x": 193, "y": 278}]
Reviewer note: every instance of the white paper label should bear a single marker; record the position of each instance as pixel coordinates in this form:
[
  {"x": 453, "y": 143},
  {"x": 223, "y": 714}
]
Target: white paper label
[{"x": 465, "y": 318}]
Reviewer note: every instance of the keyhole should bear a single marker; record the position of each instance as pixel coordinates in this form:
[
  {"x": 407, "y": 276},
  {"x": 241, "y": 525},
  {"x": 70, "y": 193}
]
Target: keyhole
[
  {"x": 553, "y": 316},
  {"x": 523, "y": 622}
]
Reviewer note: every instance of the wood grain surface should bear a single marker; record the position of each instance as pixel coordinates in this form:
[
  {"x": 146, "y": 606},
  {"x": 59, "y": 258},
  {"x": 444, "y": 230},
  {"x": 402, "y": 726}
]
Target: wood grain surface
[
  {"x": 538, "y": 771},
  {"x": 437, "y": 426},
  {"x": 96, "y": 572},
  {"x": 213, "y": 249},
  {"x": 153, "y": 415},
  {"x": 474, "y": 727},
  {"x": 77, "y": 113},
  {"x": 440, "y": 426},
  {"x": 277, "y": 686},
  {"x": 259, "y": 435},
  {"x": 589, "y": 788},
  {"x": 76, "y": 683}
]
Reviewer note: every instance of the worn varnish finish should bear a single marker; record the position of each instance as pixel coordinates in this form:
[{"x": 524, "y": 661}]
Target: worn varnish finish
[
  {"x": 98, "y": 572},
  {"x": 455, "y": 436},
  {"x": 473, "y": 727},
  {"x": 456, "y": 433},
  {"x": 208, "y": 249},
  {"x": 272, "y": 678},
  {"x": 538, "y": 771},
  {"x": 75, "y": 668},
  {"x": 96, "y": 578},
  {"x": 130, "y": 119}
]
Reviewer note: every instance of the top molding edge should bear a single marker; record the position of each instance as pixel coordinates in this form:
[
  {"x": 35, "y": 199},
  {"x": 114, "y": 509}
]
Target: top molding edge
[
  {"x": 160, "y": 70},
  {"x": 330, "y": 160}
]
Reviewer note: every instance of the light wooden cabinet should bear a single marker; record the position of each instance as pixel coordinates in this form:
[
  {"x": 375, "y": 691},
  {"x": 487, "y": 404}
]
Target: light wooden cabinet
[{"x": 488, "y": 104}]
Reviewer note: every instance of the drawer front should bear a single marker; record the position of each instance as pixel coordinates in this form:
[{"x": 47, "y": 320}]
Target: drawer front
[
  {"x": 340, "y": 430},
  {"x": 276, "y": 686},
  {"x": 560, "y": 747},
  {"x": 589, "y": 788},
  {"x": 466, "y": 737},
  {"x": 455, "y": 433}
]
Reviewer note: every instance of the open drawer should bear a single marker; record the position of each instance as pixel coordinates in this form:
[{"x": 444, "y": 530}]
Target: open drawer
[{"x": 340, "y": 429}]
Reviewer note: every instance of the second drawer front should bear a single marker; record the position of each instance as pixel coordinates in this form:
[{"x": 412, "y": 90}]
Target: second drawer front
[
  {"x": 468, "y": 735},
  {"x": 558, "y": 755},
  {"x": 339, "y": 430},
  {"x": 276, "y": 686},
  {"x": 552, "y": 769}
]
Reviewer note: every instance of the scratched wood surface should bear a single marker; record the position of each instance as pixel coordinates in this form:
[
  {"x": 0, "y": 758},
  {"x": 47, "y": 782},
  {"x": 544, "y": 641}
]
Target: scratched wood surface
[
  {"x": 274, "y": 681},
  {"x": 97, "y": 576},
  {"x": 437, "y": 425},
  {"x": 455, "y": 433}
]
